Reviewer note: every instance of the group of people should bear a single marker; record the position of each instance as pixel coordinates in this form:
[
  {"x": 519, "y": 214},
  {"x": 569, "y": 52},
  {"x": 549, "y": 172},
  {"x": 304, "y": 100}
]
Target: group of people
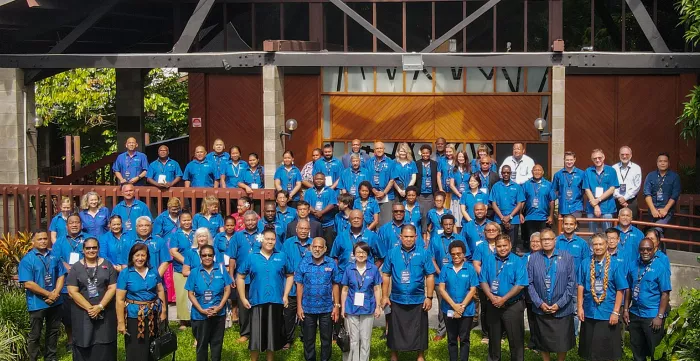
[{"x": 346, "y": 241}]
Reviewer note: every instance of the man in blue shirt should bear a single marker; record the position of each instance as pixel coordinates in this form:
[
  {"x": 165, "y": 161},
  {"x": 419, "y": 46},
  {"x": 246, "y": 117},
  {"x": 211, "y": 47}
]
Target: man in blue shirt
[
  {"x": 389, "y": 234},
  {"x": 599, "y": 183},
  {"x": 572, "y": 243},
  {"x": 158, "y": 250},
  {"x": 199, "y": 173},
  {"x": 164, "y": 172},
  {"x": 318, "y": 298},
  {"x": 380, "y": 169},
  {"x": 351, "y": 178},
  {"x": 473, "y": 231},
  {"x": 218, "y": 157},
  {"x": 322, "y": 199},
  {"x": 426, "y": 182},
  {"x": 345, "y": 243},
  {"x": 362, "y": 156},
  {"x": 503, "y": 278},
  {"x": 329, "y": 166},
  {"x": 270, "y": 220},
  {"x": 568, "y": 185},
  {"x": 295, "y": 248},
  {"x": 507, "y": 199},
  {"x": 42, "y": 275},
  {"x": 129, "y": 209},
  {"x": 629, "y": 234},
  {"x": 661, "y": 191},
  {"x": 131, "y": 166},
  {"x": 646, "y": 301},
  {"x": 539, "y": 204},
  {"x": 409, "y": 270}
]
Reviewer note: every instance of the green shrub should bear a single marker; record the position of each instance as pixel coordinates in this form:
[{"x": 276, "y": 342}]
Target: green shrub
[
  {"x": 13, "y": 344},
  {"x": 682, "y": 339},
  {"x": 13, "y": 309}
]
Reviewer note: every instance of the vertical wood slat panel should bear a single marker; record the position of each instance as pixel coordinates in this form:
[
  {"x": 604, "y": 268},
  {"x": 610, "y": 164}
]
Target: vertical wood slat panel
[
  {"x": 196, "y": 88},
  {"x": 301, "y": 102}
]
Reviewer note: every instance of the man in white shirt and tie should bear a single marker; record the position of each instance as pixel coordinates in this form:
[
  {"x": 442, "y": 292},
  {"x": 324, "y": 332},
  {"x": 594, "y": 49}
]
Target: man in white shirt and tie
[
  {"x": 629, "y": 175},
  {"x": 520, "y": 164}
]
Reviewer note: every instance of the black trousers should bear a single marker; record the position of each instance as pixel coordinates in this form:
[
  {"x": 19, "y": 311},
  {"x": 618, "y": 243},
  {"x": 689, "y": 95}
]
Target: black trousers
[
  {"x": 532, "y": 344},
  {"x": 513, "y": 233},
  {"x": 329, "y": 236},
  {"x": 509, "y": 318},
  {"x": 643, "y": 340},
  {"x": 483, "y": 300},
  {"x": 52, "y": 317},
  {"x": 324, "y": 323},
  {"x": 244, "y": 315},
  {"x": 209, "y": 333},
  {"x": 290, "y": 320},
  {"x": 530, "y": 227},
  {"x": 458, "y": 327}
]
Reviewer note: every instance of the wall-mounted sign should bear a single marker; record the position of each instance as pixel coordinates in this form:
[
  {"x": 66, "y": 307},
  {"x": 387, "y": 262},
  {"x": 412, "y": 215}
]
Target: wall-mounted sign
[{"x": 196, "y": 122}]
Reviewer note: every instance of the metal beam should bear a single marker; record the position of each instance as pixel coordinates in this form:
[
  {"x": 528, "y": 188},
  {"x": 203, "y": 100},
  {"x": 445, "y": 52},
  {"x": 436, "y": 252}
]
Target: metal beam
[
  {"x": 193, "y": 25},
  {"x": 365, "y": 24},
  {"x": 461, "y": 25},
  {"x": 648, "y": 27}
]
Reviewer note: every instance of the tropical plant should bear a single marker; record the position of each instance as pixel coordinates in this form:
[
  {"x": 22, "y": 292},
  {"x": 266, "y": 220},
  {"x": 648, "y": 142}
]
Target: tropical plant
[
  {"x": 682, "y": 339},
  {"x": 689, "y": 11},
  {"x": 13, "y": 308},
  {"x": 13, "y": 344},
  {"x": 12, "y": 249}
]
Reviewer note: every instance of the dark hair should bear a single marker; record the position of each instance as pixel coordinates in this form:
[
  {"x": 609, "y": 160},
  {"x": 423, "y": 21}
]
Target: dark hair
[
  {"x": 503, "y": 236},
  {"x": 245, "y": 199},
  {"x": 291, "y": 154},
  {"x": 116, "y": 216},
  {"x": 254, "y": 155},
  {"x": 121, "y": 187},
  {"x": 475, "y": 176},
  {"x": 185, "y": 213},
  {"x": 447, "y": 217},
  {"x": 269, "y": 229},
  {"x": 613, "y": 230},
  {"x": 412, "y": 189},
  {"x": 317, "y": 173},
  {"x": 74, "y": 215},
  {"x": 426, "y": 146},
  {"x": 229, "y": 218},
  {"x": 346, "y": 198},
  {"x": 92, "y": 239},
  {"x": 327, "y": 145},
  {"x": 136, "y": 248},
  {"x": 303, "y": 203},
  {"x": 39, "y": 230},
  {"x": 235, "y": 147},
  {"x": 207, "y": 246},
  {"x": 664, "y": 154},
  {"x": 363, "y": 246},
  {"x": 268, "y": 203},
  {"x": 441, "y": 194},
  {"x": 408, "y": 226},
  {"x": 457, "y": 244},
  {"x": 317, "y": 150},
  {"x": 364, "y": 184},
  {"x": 282, "y": 191},
  {"x": 570, "y": 216}
]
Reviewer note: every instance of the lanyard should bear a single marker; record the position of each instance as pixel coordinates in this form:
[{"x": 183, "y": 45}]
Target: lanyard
[
  {"x": 396, "y": 229},
  {"x": 480, "y": 230},
  {"x": 47, "y": 265},
  {"x": 407, "y": 262},
  {"x": 303, "y": 248},
  {"x": 290, "y": 174},
  {"x": 626, "y": 173},
  {"x": 162, "y": 166},
  {"x": 550, "y": 262},
  {"x": 517, "y": 164},
  {"x": 236, "y": 169},
  {"x": 247, "y": 237},
  {"x": 444, "y": 247},
  {"x": 598, "y": 273},
  {"x": 484, "y": 179},
  {"x": 640, "y": 276},
  {"x": 364, "y": 204},
  {"x": 91, "y": 278},
  {"x": 662, "y": 179},
  {"x": 360, "y": 278},
  {"x": 378, "y": 165},
  {"x": 569, "y": 179},
  {"x": 129, "y": 160},
  {"x": 319, "y": 194},
  {"x": 355, "y": 175},
  {"x": 254, "y": 173},
  {"x": 329, "y": 165},
  {"x": 210, "y": 277},
  {"x": 77, "y": 240},
  {"x": 599, "y": 177},
  {"x": 503, "y": 264},
  {"x": 426, "y": 169},
  {"x": 536, "y": 187}
]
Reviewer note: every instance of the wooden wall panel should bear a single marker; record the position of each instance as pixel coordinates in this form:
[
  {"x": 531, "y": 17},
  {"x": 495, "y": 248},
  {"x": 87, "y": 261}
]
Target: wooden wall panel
[
  {"x": 196, "y": 88},
  {"x": 590, "y": 116},
  {"x": 301, "y": 102}
]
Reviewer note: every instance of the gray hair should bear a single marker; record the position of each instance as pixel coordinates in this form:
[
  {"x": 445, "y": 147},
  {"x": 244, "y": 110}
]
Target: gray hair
[
  {"x": 532, "y": 236},
  {"x": 144, "y": 218},
  {"x": 201, "y": 231},
  {"x": 249, "y": 212}
]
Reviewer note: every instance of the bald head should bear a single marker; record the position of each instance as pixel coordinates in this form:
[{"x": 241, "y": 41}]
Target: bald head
[
  {"x": 356, "y": 219},
  {"x": 379, "y": 149}
]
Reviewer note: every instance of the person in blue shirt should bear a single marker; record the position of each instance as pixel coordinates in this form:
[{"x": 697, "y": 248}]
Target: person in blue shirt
[
  {"x": 218, "y": 157},
  {"x": 322, "y": 199},
  {"x": 457, "y": 285},
  {"x": 426, "y": 181},
  {"x": 288, "y": 178},
  {"x": 483, "y": 151},
  {"x": 164, "y": 172},
  {"x": 368, "y": 205},
  {"x": 359, "y": 299},
  {"x": 179, "y": 244},
  {"x": 552, "y": 290},
  {"x": 254, "y": 177},
  {"x": 42, "y": 275},
  {"x": 601, "y": 287},
  {"x": 472, "y": 196},
  {"x": 599, "y": 183},
  {"x": 140, "y": 303},
  {"x": 329, "y": 166},
  {"x": 209, "y": 216},
  {"x": 390, "y": 233},
  {"x": 233, "y": 172},
  {"x": 199, "y": 173},
  {"x": 202, "y": 238},
  {"x": 341, "y": 221},
  {"x": 535, "y": 246},
  {"x": 271, "y": 280},
  {"x": 168, "y": 222},
  {"x": 269, "y": 220},
  {"x": 355, "y": 150},
  {"x": 646, "y": 301},
  {"x": 618, "y": 254},
  {"x": 223, "y": 239},
  {"x": 659, "y": 248},
  {"x": 570, "y": 242},
  {"x": 130, "y": 209},
  {"x": 208, "y": 288},
  {"x": 159, "y": 254},
  {"x": 445, "y": 167},
  {"x": 295, "y": 248},
  {"x": 414, "y": 214},
  {"x": 567, "y": 183},
  {"x": 507, "y": 199},
  {"x": 345, "y": 242},
  {"x": 458, "y": 185},
  {"x": 114, "y": 242},
  {"x": 662, "y": 188},
  {"x": 434, "y": 215},
  {"x": 482, "y": 250},
  {"x": 473, "y": 231},
  {"x": 405, "y": 172},
  {"x": 284, "y": 212},
  {"x": 502, "y": 279},
  {"x": 132, "y": 165},
  {"x": 629, "y": 234},
  {"x": 381, "y": 172},
  {"x": 351, "y": 178},
  {"x": 93, "y": 214},
  {"x": 409, "y": 271},
  {"x": 318, "y": 298},
  {"x": 538, "y": 210},
  {"x": 57, "y": 228}
]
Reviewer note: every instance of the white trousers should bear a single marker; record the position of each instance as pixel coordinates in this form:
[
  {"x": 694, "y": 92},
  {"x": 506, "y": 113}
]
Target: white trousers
[{"x": 360, "y": 330}]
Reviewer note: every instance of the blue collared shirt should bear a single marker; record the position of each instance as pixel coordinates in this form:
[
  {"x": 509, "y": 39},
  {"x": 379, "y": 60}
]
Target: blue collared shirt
[
  {"x": 507, "y": 198},
  {"x": 408, "y": 270},
  {"x": 341, "y": 221},
  {"x": 509, "y": 272},
  {"x": 234, "y": 173},
  {"x": 243, "y": 245},
  {"x": 66, "y": 245},
  {"x": 629, "y": 242},
  {"x": 458, "y": 285},
  {"x": 345, "y": 242},
  {"x": 576, "y": 247},
  {"x": 330, "y": 168},
  {"x": 662, "y": 189},
  {"x": 279, "y": 227},
  {"x": 200, "y": 281},
  {"x": 434, "y": 219},
  {"x": 289, "y": 179},
  {"x": 537, "y": 198},
  {"x": 350, "y": 180},
  {"x": 403, "y": 173},
  {"x": 164, "y": 226},
  {"x": 267, "y": 277},
  {"x": 34, "y": 267},
  {"x": 616, "y": 282},
  {"x": 213, "y": 224},
  {"x": 381, "y": 172},
  {"x": 130, "y": 214},
  {"x": 319, "y": 200},
  {"x": 482, "y": 251},
  {"x": 295, "y": 252},
  {"x": 461, "y": 180},
  {"x": 569, "y": 189},
  {"x": 182, "y": 242},
  {"x": 389, "y": 237},
  {"x": 445, "y": 169},
  {"x": 562, "y": 281},
  {"x": 58, "y": 225},
  {"x": 440, "y": 248},
  {"x": 96, "y": 225},
  {"x": 469, "y": 200},
  {"x": 221, "y": 243},
  {"x": 255, "y": 178},
  {"x": 200, "y": 174},
  {"x": 318, "y": 280},
  {"x": 192, "y": 258},
  {"x": 113, "y": 248},
  {"x": 650, "y": 281},
  {"x": 473, "y": 233},
  {"x": 361, "y": 283},
  {"x": 138, "y": 288},
  {"x": 413, "y": 216},
  {"x": 219, "y": 161},
  {"x": 131, "y": 166},
  {"x": 169, "y": 170},
  {"x": 157, "y": 249},
  {"x": 426, "y": 185},
  {"x": 370, "y": 208},
  {"x": 286, "y": 217},
  {"x": 606, "y": 179}
]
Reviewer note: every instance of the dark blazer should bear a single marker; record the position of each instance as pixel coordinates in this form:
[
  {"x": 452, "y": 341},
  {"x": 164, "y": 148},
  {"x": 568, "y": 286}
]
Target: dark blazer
[
  {"x": 433, "y": 174},
  {"x": 564, "y": 284},
  {"x": 316, "y": 229}
]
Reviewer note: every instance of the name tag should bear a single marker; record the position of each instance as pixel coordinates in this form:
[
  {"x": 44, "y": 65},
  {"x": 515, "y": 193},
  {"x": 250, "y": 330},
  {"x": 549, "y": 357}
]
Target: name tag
[
  {"x": 548, "y": 282},
  {"x": 353, "y": 190},
  {"x": 74, "y": 257},
  {"x": 635, "y": 293},
  {"x": 535, "y": 203},
  {"x": 254, "y": 185},
  {"x": 227, "y": 259},
  {"x": 598, "y": 286},
  {"x": 359, "y": 299},
  {"x": 494, "y": 286},
  {"x": 405, "y": 276},
  {"x": 48, "y": 281},
  {"x": 161, "y": 179},
  {"x": 376, "y": 179},
  {"x": 319, "y": 205},
  {"x": 428, "y": 183},
  {"x": 329, "y": 181},
  {"x": 598, "y": 192},
  {"x": 127, "y": 225},
  {"x": 484, "y": 190},
  {"x": 445, "y": 261},
  {"x": 451, "y": 313},
  {"x": 208, "y": 296},
  {"x": 127, "y": 175},
  {"x": 623, "y": 188},
  {"x": 92, "y": 289},
  {"x": 660, "y": 195},
  {"x": 569, "y": 194}
]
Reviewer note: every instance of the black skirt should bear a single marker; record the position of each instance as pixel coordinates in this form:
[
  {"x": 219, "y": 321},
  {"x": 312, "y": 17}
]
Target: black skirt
[
  {"x": 267, "y": 327},
  {"x": 408, "y": 328},
  {"x": 600, "y": 341},
  {"x": 88, "y": 332},
  {"x": 554, "y": 334},
  {"x": 96, "y": 352}
]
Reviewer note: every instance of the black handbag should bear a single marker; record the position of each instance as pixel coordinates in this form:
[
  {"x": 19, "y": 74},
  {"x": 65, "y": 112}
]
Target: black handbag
[
  {"x": 165, "y": 344},
  {"x": 342, "y": 339}
]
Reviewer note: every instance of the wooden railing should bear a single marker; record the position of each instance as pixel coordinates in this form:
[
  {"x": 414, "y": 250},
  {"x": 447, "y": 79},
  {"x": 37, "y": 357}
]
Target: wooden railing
[
  {"x": 687, "y": 210},
  {"x": 24, "y": 208},
  {"x": 99, "y": 172}
]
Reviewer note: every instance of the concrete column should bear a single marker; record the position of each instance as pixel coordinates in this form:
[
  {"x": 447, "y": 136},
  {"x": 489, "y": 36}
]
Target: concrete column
[
  {"x": 129, "y": 103},
  {"x": 273, "y": 121},
  {"x": 558, "y": 110}
]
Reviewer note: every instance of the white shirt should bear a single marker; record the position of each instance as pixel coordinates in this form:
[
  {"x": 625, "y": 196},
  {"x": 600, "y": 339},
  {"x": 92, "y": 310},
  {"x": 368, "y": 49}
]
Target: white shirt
[
  {"x": 631, "y": 177},
  {"x": 522, "y": 170}
]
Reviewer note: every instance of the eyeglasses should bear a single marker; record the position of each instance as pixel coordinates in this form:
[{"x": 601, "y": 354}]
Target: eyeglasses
[
  {"x": 93, "y": 248},
  {"x": 206, "y": 255}
]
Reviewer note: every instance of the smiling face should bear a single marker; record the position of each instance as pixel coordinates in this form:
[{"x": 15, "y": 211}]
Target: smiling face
[
  {"x": 518, "y": 150},
  {"x": 66, "y": 207},
  {"x": 449, "y": 153},
  {"x": 252, "y": 161},
  {"x": 218, "y": 146},
  {"x": 287, "y": 159},
  {"x": 318, "y": 248},
  {"x": 131, "y": 144},
  {"x": 479, "y": 211},
  {"x": 599, "y": 246},
  {"x": 598, "y": 159},
  {"x": 360, "y": 255},
  {"x": 425, "y": 154},
  {"x": 461, "y": 159},
  {"x": 186, "y": 221},
  {"x": 364, "y": 192},
  {"x": 547, "y": 240},
  {"x": 207, "y": 257},
  {"x": 411, "y": 197},
  {"x": 235, "y": 154},
  {"x": 646, "y": 249},
  {"x": 356, "y": 219},
  {"x": 537, "y": 172},
  {"x": 398, "y": 212},
  {"x": 328, "y": 153},
  {"x": 115, "y": 225},
  {"x": 319, "y": 180},
  {"x": 281, "y": 200},
  {"x": 202, "y": 239},
  {"x": 379, "y": 149},
  {"x": 569, "y": 225},
  {"x": 230, "y": 226},
  {"x": 439, "y": 201},
  {"x": 174, "y": 210},
  {"x": 268, "y": 243},
  {"x": 505, "y": 173},
  {"x": 139, "y": 259},
  {"x": 473, "y": 183},
  {"x": 200, "y": 153},
  {"x": 93, "y": 201},
  {"x": 569, "y": 161},
  {"x": 625, "y": 155},
  {"x": 491, "y": 231},
  {"x": 440, "y": 144},
  {"x": 270, "y": 212},
  {"x": 402, "y": 154},
  {"x": 74, "y": 225},
  {"x": 535, "y": 244},
  {"x": 625, "y": 217},
  {"x": 128, "y": 191},
  {"x": 143, "y": 228},
  {"x": 355, "y": 162},
  {"x": 251, "y": 222},
  {"x": 408, "y": 237},
  {"x": 40, "y": 241},
  {"x": 503, "y": 247},
  {"x": 356, "y": 144},
  {"x": 315, "y": 155},
  {"x": 91, "y": 249}
]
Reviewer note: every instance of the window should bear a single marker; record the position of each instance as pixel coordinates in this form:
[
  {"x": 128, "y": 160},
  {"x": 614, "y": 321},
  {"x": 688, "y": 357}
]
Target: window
[
  {"x": 267, "y": 23},
  {"x": 480, "y": 31},
  {"x": 359, "y": 39},
  {"x": 418, "y": 25},
  {"x": 296, "y": 21},
  {"x": 389, "y": 22}
]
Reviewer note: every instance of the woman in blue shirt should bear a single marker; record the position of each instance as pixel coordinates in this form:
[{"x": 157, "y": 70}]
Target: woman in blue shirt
[
  {"x": 208, "y": 290},
  {"x": 472, "y": 196},
  {"x": 141, "y": 294},
  {"x": 113, "y": 243},
  {"x": 254, "y": 177},
  {"x": 405, "y": 170},
  {"x": 362, "y": 290},
  {"x": 288, "y": 178},
  {"x": 413, "y": 213},
  {"x": 168, "y": 222},
  {"x": 368, "y": 206},
  {"x": 458, "y": 185},
  {"x": 178, "y": 244},
  {"x": 57, "y": 228},
  {"x": 233, "y": 172},
  {"x": 209, "y": 216},
  {"x": 93, "y": 214}
]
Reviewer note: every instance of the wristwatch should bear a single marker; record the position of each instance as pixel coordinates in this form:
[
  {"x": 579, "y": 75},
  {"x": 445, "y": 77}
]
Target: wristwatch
[
  {"x": 661, "y": 316},
  {"x": 337, "y": 305}
]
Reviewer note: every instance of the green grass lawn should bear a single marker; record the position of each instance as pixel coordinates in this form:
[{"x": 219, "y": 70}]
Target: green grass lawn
[{"x": 233, "y": 350}]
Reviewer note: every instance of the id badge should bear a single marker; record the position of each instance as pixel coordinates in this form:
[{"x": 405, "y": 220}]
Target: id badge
[
  {"x": 127, "y": 225},
  {"x": 635, "y": 293},
  {"x": 161, "y": 179},
  {"x": 548, "y": 282},
  {"x": 92, "y": 289},
  {"x": 376, "y": 179},
  {"x": 254, "y": 186},
  {"x": 569, "y": 194},
  {"x": 359, "y": 299},
  {"x": 451, "y": 314},
  {"x": 127, "y": 175},
  {"x": 440, "y": 231},
  {"x": 208, "y": 296},
  {"x": 353, "y": 190},
  {"x": 428, "y": 182},
  {"x": 535, "y": 203},
  {"x": 623, "y": 188},
  {"x": 598, "y": 285},
  {"x": 227, "y": 259},
  {"x": 48, "y": 281},
  {"x": 405, "y": 277},
  {"x": 329, "y": 181},
  {"x": 494, "y": 286},
  {"x": 319, "y": 205},
  {"x": 352, "y": 259},
  {"x": 660, "y": 195},
  {"x": 598, "y": 192},
  {"x": 445, "y": 261},
  {"x": 484, "y": 190},
  {"x": 74, "y": 257},
  {"x": 289, "y": 187},
  {"x": 461, "y": 188}
]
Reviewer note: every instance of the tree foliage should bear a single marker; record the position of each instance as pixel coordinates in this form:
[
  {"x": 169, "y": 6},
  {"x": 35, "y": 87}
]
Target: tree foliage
[
  {"x": 689, "y": 11},
  {"x": 82, "y": 102}
]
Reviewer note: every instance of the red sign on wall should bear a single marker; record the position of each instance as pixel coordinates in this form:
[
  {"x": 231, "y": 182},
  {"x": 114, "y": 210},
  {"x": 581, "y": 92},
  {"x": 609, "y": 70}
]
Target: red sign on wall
[{"x": 196, "y": 122}]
